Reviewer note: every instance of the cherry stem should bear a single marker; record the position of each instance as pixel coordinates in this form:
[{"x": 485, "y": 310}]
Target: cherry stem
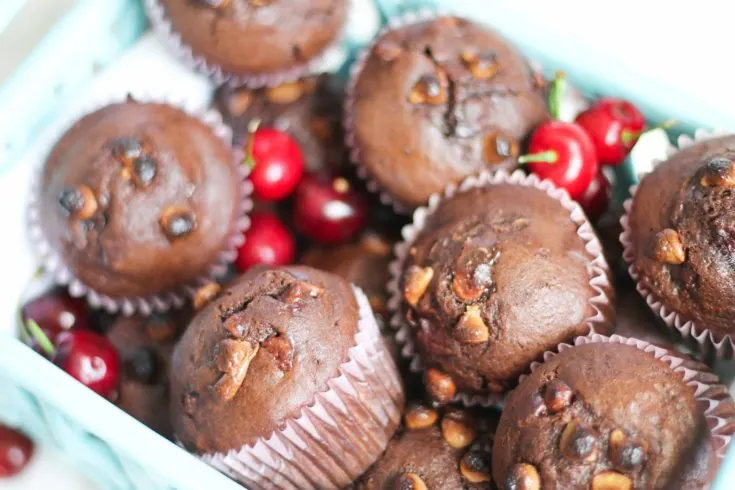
[
  {"x": 37, "y": 334},
  {"x": 629, "y": 137},
  {"x": 549, "y": 156},
  {"x": 253, "y": 126},
  {"x": 557, "y": 89}
]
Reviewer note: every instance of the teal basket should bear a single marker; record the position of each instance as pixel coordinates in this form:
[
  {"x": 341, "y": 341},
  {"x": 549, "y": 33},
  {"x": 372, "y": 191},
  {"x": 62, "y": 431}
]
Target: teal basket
[{"x": 100, "y": 440}]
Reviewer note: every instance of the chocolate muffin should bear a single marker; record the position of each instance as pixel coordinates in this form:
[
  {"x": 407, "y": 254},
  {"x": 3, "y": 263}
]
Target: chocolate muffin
[
  {"x": 309, "y": 110},
  {"x": 145, "y": 345},
  {"x": 606, "y": 416},
  {"x": 439, "y": 100},
  {"x": 681, "y": 239},
  {"x": 256, "y": 37},
  {"x": 444, "y": 449},
  {"x": 139, "y": 199},
  {"x": 491, "y": 278},
  {"x": 270, "y": 350}
]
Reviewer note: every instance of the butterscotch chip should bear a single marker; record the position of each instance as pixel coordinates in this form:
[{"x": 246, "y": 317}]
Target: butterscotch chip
[
  {"x": 668, "y": 247},
  {"x": 523, "y": 476},
  {"x": 471, "y": 329},
  {"x": 239, "y": 102},
  {"x": 177, "y": 222},
  {"x": 420, "y": 417},
  {"x": 475, "y": 466},
  {"x": 417, "y": 281},
  {"x": 719, "y": 172},
  {"x": 610, "y": 480},
  {"x": 429, "y": 89},
  {"x": 78, "y": 202},
  {"x": 499, "y": 147},
  {"x": 578, "y": 443},
  {"x": 409, "y": 481},
  {"x": 205, "y": 294},
  {"x": 458, "y": 433},
  {"x": 558, "y": 396},
  {"x": 440, "y": 386},
  {"x": 625, "y": 452},
  {"x": 285, "y": 93}
]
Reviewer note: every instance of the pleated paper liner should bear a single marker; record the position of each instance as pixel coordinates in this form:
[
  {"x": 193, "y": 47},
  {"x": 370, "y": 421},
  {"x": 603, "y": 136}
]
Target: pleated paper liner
[
  {"x": 336, "y": 438},
  {"x": 54, "y": 265},
  {"x": 705, "y": 341},
  {"x": 600, "y": 280}
]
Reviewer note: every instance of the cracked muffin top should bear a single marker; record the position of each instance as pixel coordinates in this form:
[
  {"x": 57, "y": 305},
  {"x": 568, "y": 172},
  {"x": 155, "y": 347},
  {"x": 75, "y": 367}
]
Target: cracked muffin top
[
  {"x": 259, "y": 353},
  {"x": 248, "y": 37},
  {"x": 497, "y": 276},
  {"x": 603, "y": 416},
  {"x": 437, "y": 101},
  {"x": 682, "y": 228}
]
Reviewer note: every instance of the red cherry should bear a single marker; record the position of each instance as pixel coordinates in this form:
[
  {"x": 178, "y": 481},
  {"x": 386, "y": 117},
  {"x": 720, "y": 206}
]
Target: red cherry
[
  {"x": 278, "y": 164},
  {"x": 596, "y": 198},
  {"x": 16, "y": 451},
  {"x": 91, "y": 359},
  {"x": 563, "y": 153},
  {"x": 614, "y": 126},
  {"x": 328, "y": 209},
  {"x": 55, "y": 312},
  {"x": 267, "y": 241}
]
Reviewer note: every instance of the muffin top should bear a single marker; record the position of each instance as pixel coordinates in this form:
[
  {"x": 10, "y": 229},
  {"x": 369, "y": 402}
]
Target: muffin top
[
  {"x": 602, "y": 416},
  {"x": 258, "y": 354},
  {"x": 138, "y": 199},
  {"x": 257, "y": 36},
  {"x": 683, "y": 233},
  {"x": 439, "y": 100},
  {"x": 145, "y": 345},
  {"x": 436, "y": 449},
  {"x": 310, "y": 110},
  {"x": 497, "y": 276}
]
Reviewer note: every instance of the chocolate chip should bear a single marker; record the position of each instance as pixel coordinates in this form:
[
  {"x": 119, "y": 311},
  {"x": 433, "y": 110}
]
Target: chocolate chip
[
  {"x": 417, "y": 281},
  {"x": 475, "y": 466},
  {"x": 177, "y": 222},
  {"x": 578, "y": 442},
  {"x": 144, "y": 170},
  {"x": 523, "y": 476},
  {"x": 719, "y": 172},
  {"x": 471, "y": 329},
  {"x": 440, "y": 386},
  {"x": 667, "y": 247},
  {"x": 429, "y": 89},
  {"x": 127, "y": 149},
  {"x": 626, "y": 453},
  {"x": 420, "y": 417},
  {"x": 286, "y": 93},
  {"x": 483, "y": 66},
  {"x": 142, "y": 366},
  {"x": 610, "y": 480},
  {"x": 409, "y": 481},
  {"x": 205, "y": 294},
  {"x": 77, "y": 202},
  {"x": 499, "y": 147},
  {"x": 558, "y": 396}
]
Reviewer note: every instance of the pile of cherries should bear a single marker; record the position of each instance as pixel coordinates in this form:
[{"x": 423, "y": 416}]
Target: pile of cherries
[
  {"x": 324, "y": 207},
  {"x": 572, "y": 154}
]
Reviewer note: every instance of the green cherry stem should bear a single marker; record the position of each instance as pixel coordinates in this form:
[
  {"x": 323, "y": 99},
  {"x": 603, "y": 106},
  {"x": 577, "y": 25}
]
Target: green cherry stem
[
  {"x": 629, "y": 137},
  {"x": 549, "y": 156},
  {"x": 557, "y": 89},
  {"x": 34, "y": 330},
  {"x": 253, "y": 126}
]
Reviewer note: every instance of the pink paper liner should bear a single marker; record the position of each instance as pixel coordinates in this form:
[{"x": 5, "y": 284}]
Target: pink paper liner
[
  {"x": 336, "y": 438},
  {"x": 704, "y": 339},
  {"x": 717, "y": 404},
  {"x": 54, "y": 265},
  {"x": 600, "y": 278},
  {"x": 164, "y": 29}
]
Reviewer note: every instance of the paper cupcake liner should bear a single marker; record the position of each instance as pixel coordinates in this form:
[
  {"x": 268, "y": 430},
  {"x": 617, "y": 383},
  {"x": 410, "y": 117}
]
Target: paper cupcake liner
[
  {"x": 337, "y": 437},
  {"x": 55, "y": 266},
  {"x": 165, "y": 31},
  {"x": 600, "y": 279},
  {"x": 704, "y": 339},
  {"x": 714, "y": 398}
]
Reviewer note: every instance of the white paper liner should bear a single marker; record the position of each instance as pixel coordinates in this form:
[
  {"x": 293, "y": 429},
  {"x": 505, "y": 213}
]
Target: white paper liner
[
  {"x": 705, "y": 340},
  {"x": 717, "y": 404},
  {"x": 337, "y": 437},
  {"x": 600, "y": 278},
  {"x": 54, "y": 264},
  {"x": 165, "y": 31}
]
